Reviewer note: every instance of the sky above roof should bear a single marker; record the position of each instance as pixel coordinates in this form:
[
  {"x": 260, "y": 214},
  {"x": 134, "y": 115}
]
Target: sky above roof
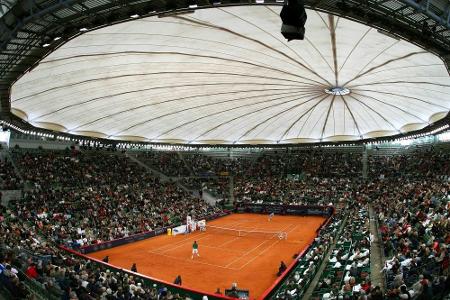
[{"x": 226, "y": 75}]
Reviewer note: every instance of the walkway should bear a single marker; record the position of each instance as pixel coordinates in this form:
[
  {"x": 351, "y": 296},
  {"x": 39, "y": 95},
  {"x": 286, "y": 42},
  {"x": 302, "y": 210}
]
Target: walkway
[
  {"x": 322, "y": 267},
  {"x": 376, "y": 254}
]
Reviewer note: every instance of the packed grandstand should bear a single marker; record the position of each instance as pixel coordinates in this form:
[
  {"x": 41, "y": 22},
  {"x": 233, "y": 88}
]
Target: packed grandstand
[{"x": 83, "y": 197}]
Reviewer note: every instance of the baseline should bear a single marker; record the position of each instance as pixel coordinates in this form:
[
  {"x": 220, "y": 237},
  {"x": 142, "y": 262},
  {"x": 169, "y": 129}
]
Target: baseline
[
  {"x": 265, "y": 250},
  {"x": 192, "y": 261}
]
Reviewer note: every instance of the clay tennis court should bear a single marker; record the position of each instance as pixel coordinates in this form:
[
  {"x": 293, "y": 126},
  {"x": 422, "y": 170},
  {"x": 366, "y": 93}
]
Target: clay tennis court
[{"x": 251, "y": 261}]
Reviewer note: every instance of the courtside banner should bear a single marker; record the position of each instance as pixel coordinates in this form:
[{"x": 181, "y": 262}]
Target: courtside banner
[
  {"x": 122, "y": 241},
  {"x": 201, "y": 223},
  {"x": 302, "y": 210},
  {"x": 179, "y": 230}
]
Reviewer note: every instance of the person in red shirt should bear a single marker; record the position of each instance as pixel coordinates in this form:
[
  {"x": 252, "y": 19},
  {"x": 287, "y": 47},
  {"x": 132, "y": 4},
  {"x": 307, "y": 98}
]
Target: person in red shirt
[
  {"x": 32, "y": 271},
  {"x": 366, "y": 286}
]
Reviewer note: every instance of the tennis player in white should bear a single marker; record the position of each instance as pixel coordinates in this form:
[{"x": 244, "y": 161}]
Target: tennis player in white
[{"x": 195, "y": 250}]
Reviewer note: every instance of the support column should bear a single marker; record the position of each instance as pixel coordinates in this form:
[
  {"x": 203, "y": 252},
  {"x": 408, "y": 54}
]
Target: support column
[
  {"x": 231, "y": 188},
  {"x": 365, "y": 163}
]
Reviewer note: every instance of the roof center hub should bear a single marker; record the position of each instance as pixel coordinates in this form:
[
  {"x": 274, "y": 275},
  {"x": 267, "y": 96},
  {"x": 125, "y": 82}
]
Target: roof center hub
[{"x": 337, "y": 91}]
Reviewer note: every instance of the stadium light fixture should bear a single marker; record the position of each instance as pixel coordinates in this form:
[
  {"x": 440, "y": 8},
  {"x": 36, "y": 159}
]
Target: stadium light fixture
[
  {"x": 83, "y": 29},
  {"x": 134, "y": 16},
  {"x": 192, "y": 4},
  {"x": 57, "y": 38},
  {"x": 259, "y": 1},
  {"x": 45, "y": 45}
]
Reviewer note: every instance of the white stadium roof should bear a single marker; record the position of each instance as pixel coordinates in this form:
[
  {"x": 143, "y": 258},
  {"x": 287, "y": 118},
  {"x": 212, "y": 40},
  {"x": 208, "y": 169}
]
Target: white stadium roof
[{"x": 227, "y": 76}]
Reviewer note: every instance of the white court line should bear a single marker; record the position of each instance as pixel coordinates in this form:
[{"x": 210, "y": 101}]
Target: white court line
[
  {"x": 232, "y": 240},
  {"x": 183, "y": 241},
  {"x": 277, "y": 241},
  {"x": 227, "y": 242},
  {"x": 254, "y": 248},
  {"x": 180, "y": 242},
  {"x": 251, "y": 250},
  {"x": 192, "y": 260},
  {"x": 223, "y": 249},
  {"x": 223, "y": 244},
  {"x": 265, "y": 250},
  {"x": 250, "y": 230},
  {"x": 255, "y": 257}
]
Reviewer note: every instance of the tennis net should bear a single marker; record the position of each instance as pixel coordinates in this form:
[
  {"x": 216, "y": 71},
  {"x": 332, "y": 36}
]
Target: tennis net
[{"x": 247, "y": 233}]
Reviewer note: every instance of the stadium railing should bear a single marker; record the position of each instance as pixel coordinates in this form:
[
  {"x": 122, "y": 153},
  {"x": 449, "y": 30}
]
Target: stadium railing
[
  {"x": 275, "y": 288},
  {"x": 37, "y": 289},
  {"x": 307, "y": 279},
  {"x": 278, "y": 284},
  {"x": 336, "y": 274},
  {"x": 382, "y": 250},
  {"x": 149, "y": 281},
  {"x": 5, "y": 291}
]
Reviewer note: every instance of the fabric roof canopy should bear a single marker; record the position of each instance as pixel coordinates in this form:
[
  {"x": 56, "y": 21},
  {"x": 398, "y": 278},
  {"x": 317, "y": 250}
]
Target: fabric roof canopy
[{"x": 227, "y": 76}]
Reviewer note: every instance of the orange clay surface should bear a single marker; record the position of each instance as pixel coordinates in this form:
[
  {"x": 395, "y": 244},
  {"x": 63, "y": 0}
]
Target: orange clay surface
[{"x": 250, "y": 261}]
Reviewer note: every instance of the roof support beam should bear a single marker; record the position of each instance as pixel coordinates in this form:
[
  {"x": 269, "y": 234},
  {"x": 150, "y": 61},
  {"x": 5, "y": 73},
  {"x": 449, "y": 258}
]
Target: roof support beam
[{"x": 426, "y": 10}]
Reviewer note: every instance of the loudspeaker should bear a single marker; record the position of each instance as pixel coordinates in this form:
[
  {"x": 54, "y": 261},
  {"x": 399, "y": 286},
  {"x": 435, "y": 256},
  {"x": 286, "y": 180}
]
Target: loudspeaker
[
  {"x": 292, "y": 32},
  {"x": 293, "y": 16}
]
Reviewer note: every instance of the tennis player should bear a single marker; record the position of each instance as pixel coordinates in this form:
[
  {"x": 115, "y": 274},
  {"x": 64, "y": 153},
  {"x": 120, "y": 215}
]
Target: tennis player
[
  {"x": 195, "y": 250},
  {"x": 271, "y": 216}
]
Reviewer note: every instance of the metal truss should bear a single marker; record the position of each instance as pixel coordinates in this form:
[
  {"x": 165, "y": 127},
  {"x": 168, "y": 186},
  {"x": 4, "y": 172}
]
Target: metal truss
[{"x": 5, "y": 6}]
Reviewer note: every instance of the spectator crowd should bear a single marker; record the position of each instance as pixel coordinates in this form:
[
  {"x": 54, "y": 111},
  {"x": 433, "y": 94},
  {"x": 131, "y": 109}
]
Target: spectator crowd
[
  {"x": 8, "y": 177},
  {"x": 79, "y": 198}
]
